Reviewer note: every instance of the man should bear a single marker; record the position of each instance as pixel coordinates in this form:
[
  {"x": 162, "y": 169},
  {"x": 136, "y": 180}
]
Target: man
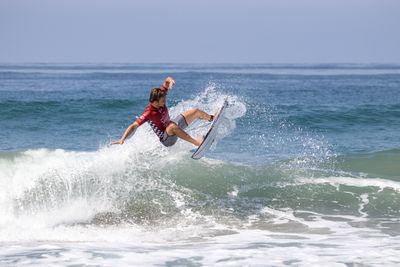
[{"x": 156, "y": 114}]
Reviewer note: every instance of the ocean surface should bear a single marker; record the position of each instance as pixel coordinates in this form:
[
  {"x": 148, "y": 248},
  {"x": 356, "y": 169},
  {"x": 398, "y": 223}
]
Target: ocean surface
[{"x": 305, "y": 171}]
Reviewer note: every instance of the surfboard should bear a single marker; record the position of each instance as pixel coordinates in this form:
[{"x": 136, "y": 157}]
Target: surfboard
[{"x": 211, "y": 134}]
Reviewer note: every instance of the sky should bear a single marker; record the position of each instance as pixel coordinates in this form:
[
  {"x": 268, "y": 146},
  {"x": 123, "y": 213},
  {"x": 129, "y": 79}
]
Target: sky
[{"x": 206, "y": 31}]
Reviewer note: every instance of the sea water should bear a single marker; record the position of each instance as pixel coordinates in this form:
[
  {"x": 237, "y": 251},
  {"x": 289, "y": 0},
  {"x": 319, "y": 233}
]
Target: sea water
[{"x": 305, "y": 170}]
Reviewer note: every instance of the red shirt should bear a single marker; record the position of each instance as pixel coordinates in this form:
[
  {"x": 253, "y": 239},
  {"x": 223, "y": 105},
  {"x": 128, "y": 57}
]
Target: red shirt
[{"x": 157, "y": 118}]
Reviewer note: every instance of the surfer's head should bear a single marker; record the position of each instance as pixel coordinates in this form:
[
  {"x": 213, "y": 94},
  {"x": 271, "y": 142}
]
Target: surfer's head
[{"x": 157, "y": 96}]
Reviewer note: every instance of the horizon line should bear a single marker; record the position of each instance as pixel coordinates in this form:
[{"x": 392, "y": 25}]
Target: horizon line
[{"x": 204, "y": 63}]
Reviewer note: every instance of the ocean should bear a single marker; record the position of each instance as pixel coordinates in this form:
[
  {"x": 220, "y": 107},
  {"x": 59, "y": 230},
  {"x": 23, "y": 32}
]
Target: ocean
[{"x": 305, "y": 170}]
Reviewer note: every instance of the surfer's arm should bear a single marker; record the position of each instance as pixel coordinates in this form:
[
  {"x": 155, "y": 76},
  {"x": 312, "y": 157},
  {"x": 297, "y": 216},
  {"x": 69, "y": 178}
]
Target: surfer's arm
[{"x": 131, "y": 128}]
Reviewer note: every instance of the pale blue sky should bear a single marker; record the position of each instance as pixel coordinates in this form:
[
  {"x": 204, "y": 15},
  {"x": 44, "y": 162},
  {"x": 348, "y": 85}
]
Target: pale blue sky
[{"x": 206, "y": 31}]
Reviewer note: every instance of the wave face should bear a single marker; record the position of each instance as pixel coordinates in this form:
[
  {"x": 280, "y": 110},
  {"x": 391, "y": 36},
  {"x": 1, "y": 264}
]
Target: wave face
[
  {"x": 145, "y": 185},
  {"x": 303, "y": 163}
]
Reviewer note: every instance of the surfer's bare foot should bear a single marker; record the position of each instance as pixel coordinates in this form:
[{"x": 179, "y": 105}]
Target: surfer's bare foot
[
  {"x": 198, "y": 141},
  {"x": 211, "y": 118}
]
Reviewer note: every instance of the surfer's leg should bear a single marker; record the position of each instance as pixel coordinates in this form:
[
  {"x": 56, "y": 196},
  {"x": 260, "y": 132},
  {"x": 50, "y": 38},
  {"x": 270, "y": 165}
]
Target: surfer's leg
[
  {"x": 194, "y": 114},
  {"x": 174, "y": 129}
]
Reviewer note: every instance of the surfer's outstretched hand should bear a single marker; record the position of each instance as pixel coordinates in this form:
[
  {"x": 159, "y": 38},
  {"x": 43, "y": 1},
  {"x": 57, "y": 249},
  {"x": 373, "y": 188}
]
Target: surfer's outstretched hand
[{"x": 168, "y": 83}]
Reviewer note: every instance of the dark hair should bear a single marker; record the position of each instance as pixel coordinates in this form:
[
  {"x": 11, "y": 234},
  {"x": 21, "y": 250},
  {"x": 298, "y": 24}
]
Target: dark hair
[{"x": 156, "y": 94}]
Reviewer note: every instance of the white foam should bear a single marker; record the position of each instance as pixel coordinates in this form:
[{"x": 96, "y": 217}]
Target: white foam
[
  {"x": 247, "y": 247},
  {"x": 364, "y": 201},
  {"x": 350, "y": 181}
]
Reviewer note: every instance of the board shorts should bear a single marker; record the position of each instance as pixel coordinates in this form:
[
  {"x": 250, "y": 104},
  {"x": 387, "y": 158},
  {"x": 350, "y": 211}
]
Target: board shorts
[{"x": 170, "y": 140}]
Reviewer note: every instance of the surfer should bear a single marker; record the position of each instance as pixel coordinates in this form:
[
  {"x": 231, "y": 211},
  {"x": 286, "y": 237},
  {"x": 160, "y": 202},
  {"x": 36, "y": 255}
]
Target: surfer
[{"x": 156, "y": 114}]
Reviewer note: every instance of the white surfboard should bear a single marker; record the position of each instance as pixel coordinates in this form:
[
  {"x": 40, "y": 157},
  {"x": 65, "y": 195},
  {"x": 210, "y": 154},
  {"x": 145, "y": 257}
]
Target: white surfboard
[{"x": 211, "y": 134}]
